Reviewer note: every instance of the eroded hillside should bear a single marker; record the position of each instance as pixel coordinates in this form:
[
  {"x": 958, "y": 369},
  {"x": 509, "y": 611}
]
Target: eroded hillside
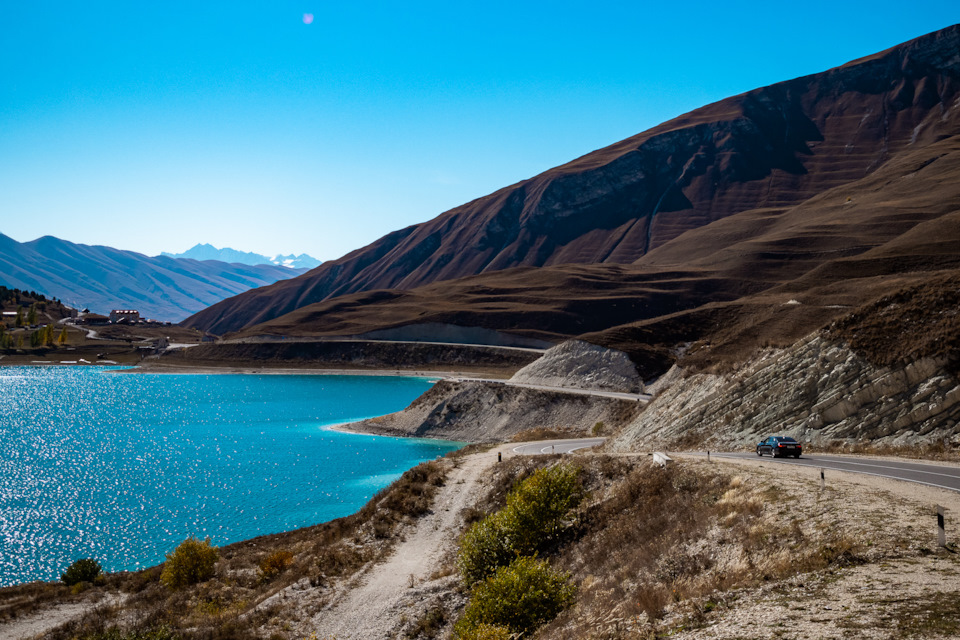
[{"x": 767, "y": 150}]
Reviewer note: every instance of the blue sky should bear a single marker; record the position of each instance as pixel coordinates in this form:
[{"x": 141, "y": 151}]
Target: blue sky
[{"x": 152, "y": 126}]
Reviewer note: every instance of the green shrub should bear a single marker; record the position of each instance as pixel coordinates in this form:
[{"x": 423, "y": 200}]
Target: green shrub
[
  {"x": 538, "y": 506},
  {"x": 83, "y": 570},
  {"x": 532, "y": 519},
  {"x": 521, "y": 596},
  {"x": 486, "y": 632},
  {"x": 484, "y": 547},
  {"x": 190, "y": 563}
]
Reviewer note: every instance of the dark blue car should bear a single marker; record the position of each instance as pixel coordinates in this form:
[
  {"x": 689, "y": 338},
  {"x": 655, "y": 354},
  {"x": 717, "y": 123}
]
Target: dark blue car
[{"x": 780, "y": 446}]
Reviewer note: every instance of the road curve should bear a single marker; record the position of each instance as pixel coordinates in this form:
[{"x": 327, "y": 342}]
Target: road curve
[
  {"x": 556, "y": 446},
  {"x": 934, "y": 475}
]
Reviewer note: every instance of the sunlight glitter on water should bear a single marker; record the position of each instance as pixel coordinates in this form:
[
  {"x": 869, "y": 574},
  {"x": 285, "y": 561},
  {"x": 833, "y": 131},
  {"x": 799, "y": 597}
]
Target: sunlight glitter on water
[{"x": 123, "y": 467}]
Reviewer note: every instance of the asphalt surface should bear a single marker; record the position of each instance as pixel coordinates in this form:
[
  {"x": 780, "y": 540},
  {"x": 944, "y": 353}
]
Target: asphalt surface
[
  {"x": 619, "y": 395},
  {"x": 933, "y": 475},
  {"x": 556, "y": 446}
]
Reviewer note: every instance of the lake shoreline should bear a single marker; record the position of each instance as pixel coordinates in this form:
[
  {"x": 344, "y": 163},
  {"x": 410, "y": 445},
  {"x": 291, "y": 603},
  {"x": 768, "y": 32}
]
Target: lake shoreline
[{"x": 276, "y": 444}]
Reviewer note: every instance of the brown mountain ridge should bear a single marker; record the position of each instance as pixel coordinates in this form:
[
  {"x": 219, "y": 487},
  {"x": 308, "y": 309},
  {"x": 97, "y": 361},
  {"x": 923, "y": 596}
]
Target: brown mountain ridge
[{"x": 803, "y": 187}]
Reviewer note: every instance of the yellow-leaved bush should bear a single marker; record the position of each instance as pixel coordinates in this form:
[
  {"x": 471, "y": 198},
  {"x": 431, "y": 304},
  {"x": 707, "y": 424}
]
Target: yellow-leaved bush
[{"x": 191, "y": 562}]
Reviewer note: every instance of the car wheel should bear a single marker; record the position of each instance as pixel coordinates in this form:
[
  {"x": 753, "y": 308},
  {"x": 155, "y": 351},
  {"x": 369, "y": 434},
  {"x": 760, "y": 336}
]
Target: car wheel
[
  {"x": 797, "y": 456},
  {"x": 759, "y": 453}
]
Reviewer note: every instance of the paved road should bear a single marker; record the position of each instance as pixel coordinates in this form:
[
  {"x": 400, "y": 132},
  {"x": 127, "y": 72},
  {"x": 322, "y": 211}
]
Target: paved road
[
  {"x": 556, "y": 446},
  {"x": 259, "y": 340},
  {"x": 619, "y": 395},
  {"x": 934, "y": 475}
]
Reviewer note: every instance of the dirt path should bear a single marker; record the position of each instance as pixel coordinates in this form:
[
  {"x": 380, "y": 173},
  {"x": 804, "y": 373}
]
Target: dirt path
[{"x": 391, "y": 591}]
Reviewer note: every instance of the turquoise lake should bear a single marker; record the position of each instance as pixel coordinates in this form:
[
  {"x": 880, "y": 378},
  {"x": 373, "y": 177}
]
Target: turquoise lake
[{"x": 123, "y": 467}]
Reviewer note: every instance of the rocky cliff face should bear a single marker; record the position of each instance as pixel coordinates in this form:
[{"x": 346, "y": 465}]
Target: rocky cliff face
[
  {"x": 815, "y": 390},
  {"x": 770, "y": 148}
]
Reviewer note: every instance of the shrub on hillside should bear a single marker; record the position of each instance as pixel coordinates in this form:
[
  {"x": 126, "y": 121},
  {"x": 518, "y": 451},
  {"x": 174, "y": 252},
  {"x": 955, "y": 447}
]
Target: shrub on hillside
[
  {"x": 487, "y": 632},
  {"x": 520, "y": 597},
  {"x": 190, "y": 563},
  {"x": 484, "y": 547},
  {"x": 115, "y": 633},
  {"x": 83, "y": 570},
  {"x": 275, "y": 564},
  {"x": 532, "y": 519},
  {"x": 540, "y": 504}
]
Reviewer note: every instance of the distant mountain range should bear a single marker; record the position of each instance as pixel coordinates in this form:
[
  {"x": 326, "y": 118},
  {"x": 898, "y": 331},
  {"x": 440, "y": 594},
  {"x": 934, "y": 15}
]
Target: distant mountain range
[
  {"x": 210, "y": 252},
  {"x": 102, "y": 278},
  {"x": 825, "y": 192}
]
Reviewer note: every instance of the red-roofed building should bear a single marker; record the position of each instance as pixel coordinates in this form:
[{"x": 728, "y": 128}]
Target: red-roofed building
[{"x": 124, "y": 315}]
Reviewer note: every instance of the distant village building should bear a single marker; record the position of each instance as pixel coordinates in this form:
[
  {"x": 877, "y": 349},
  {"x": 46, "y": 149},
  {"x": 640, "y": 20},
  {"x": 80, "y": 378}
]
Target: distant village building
[
  {"x": 125, "y": 315},
  {"x": 94, "y": 318}
]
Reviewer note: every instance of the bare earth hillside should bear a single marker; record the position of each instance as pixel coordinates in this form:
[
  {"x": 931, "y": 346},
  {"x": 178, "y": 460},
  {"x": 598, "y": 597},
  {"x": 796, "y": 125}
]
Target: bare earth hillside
[{"x": 765, "y": 151}]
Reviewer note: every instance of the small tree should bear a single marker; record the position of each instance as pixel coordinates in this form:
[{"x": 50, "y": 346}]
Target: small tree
[
  {"x": 32, "y": 315},
  {"x": 62, "y": 338},
  {"x": 191, "y": 562},
  {"x": 19, "y": 321},
  {"x": 83, "y": 570}
]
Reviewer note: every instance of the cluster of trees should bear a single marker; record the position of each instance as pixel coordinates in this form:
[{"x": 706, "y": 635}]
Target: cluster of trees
[
  {"x": 9, "y": 341},
  {"x": 16, "y": 295},
  {"x": 28, "y": 305},
  {"x": 21, "y": 320},
  {"x": 42, "y": 337}
]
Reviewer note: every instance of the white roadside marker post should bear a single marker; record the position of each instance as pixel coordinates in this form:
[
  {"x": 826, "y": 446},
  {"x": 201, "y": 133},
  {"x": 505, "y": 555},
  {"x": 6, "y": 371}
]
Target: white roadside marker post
[{"x": 941, "y": 531}]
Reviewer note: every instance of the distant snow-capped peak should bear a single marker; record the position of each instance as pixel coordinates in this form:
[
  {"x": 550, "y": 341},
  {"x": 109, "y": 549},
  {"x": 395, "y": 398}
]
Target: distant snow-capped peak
[{"x": 210, "y": 252}]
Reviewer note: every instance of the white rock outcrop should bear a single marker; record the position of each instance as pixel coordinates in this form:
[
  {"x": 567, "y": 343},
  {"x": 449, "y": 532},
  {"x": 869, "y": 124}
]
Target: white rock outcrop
[
  {"x": 582, "y": 365},
  {"x": 812, "y": 390}
]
